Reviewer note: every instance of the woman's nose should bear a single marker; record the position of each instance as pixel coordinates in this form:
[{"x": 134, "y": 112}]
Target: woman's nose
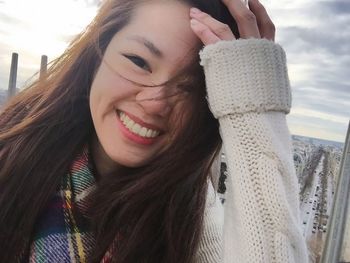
[{"x": 154, "y": 101}]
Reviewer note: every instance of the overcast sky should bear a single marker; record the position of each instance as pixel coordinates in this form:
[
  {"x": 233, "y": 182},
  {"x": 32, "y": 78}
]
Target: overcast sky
[{"x": 314, "y": 33}]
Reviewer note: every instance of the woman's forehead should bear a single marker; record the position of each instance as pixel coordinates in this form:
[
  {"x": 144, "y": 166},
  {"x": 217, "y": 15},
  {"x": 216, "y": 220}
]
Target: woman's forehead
[{"x": 164, "y": 28}]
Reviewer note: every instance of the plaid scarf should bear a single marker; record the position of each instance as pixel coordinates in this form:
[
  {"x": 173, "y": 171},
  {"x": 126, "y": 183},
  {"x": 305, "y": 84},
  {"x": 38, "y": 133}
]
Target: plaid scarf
[{"x": 62, "y": 232}]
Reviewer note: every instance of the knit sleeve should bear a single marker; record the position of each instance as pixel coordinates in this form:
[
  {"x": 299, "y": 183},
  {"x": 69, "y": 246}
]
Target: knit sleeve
[
  {"x": 249, "y": 93},
  {"x": 210, "y": 245}
]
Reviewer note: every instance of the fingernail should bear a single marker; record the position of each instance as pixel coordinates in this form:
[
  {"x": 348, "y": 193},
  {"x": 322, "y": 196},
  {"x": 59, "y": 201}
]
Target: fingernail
[{"x": 195, "y": 10}]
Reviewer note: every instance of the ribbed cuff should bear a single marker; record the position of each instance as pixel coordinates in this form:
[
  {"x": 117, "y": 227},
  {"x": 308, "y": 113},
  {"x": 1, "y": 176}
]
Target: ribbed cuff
[{"x": 246, "y": 75}]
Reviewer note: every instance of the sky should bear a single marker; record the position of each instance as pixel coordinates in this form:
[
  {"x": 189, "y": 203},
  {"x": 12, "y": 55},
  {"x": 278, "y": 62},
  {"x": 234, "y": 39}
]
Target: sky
[{"x": 314, "y": 33}]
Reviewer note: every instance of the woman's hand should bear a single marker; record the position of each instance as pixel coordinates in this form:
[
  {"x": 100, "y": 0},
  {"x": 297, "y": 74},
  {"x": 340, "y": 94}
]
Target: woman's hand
[{"x": 253, "y": 23}]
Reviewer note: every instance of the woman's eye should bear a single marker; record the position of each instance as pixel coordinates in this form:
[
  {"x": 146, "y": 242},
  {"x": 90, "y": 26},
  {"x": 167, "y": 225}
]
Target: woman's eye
[{"x": 141, "y": 63}]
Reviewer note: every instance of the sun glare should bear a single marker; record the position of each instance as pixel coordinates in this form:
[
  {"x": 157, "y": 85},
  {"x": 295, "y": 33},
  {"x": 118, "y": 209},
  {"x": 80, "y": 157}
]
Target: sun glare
[{"x": 45, "y": 27}]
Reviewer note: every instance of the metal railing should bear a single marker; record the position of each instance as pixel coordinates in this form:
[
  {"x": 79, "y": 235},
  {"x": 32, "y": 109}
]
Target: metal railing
[{"x": 336, "y": 235}]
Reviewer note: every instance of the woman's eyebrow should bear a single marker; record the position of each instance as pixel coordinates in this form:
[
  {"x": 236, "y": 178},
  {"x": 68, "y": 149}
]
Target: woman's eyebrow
[{"x": 150, "y": 46}]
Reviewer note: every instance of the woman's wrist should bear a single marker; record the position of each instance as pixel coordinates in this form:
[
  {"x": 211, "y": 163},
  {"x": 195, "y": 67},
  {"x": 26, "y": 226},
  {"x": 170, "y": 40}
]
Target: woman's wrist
[{"x": 246, "y": 75}]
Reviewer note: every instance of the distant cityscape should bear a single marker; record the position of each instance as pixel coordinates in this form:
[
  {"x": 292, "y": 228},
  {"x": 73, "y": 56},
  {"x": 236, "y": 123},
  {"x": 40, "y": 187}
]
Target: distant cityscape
[{"x": 317, "y": 164}]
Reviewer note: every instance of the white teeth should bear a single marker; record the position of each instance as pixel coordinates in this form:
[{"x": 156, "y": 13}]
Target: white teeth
[
  {"x": 143, "y": 131},
  {"x": 129, "y": 124},
  {"x": 137, "y": 128},
  {"x": 149, "y": 133},
  {"x": 122, "y": 116}
]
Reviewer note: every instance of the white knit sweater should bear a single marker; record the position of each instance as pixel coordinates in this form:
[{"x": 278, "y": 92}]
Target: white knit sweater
[{"x": 249, "y": 93}]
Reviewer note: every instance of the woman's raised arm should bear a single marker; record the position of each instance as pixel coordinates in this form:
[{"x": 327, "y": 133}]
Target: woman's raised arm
[{"x": 249, "y": 93}]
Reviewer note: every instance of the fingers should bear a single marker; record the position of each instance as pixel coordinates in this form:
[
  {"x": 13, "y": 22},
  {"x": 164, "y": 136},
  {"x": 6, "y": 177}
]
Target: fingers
[
  {"x": 252, "y": 22},
  {"x": 221, "y": 30},
  {"x": 266, "y": 27},
  {"x": 246, "y": 19},
  {"x": 203, "y": 32}
]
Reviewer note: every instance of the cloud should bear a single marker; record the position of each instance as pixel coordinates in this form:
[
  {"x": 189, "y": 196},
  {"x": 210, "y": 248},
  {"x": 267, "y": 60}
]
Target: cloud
[
  {"x": 66, "y": 38},
  {"x": 6, "y": 19},
  {"x": 316, "y": 127},
  {"x": 93, "y": 2},
  {"x": 316, "y": 37},
  {"x": 37, "y": 27},
  {"x": 335, "y": 107},
  {"x": 319, "y": 115},
  {"x": 339, "y": 7},
  {"x": 317, "y": 40},
  {"x": 314, "y": 33}
]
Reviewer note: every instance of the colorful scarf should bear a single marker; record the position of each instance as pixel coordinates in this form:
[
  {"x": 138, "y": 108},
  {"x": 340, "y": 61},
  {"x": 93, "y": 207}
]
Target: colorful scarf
[{"x": 62, "y": 233}]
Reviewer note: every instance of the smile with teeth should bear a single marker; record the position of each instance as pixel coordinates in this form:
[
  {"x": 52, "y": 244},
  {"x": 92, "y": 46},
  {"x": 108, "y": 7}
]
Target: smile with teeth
[{"x": 136, "y": 128}]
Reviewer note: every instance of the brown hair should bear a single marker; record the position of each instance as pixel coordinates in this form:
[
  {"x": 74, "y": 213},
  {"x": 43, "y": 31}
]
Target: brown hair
[{"x": 158, "y": 208}]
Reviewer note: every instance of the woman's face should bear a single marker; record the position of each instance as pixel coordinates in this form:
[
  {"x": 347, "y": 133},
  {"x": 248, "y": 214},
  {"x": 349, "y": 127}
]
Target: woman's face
[{"x": 132, "y": 122}]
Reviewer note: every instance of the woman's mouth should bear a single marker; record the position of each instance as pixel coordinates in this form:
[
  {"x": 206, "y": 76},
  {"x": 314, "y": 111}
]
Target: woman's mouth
[
  {"x": 136, "y": 131},
  {"x": 137, "y": 128}
]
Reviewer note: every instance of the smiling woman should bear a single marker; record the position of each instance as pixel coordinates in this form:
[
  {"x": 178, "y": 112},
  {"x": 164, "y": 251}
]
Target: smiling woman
[
  {"x": 139, "y": 55},
  {"x": 108, "y": 157}
]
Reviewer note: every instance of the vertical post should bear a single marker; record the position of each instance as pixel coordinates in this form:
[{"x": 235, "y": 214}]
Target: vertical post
[
  {"x": 334, "y": 240},
  {"x": 13, "y": 75},
  {"x": 43, "y": 66}
]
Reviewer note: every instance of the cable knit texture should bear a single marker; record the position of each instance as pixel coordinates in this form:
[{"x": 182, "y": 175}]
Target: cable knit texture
[{"x": 249, "y": 92}]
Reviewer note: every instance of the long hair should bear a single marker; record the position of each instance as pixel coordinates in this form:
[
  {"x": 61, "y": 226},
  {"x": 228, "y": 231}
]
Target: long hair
[{"x": 158, "y": 209}]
